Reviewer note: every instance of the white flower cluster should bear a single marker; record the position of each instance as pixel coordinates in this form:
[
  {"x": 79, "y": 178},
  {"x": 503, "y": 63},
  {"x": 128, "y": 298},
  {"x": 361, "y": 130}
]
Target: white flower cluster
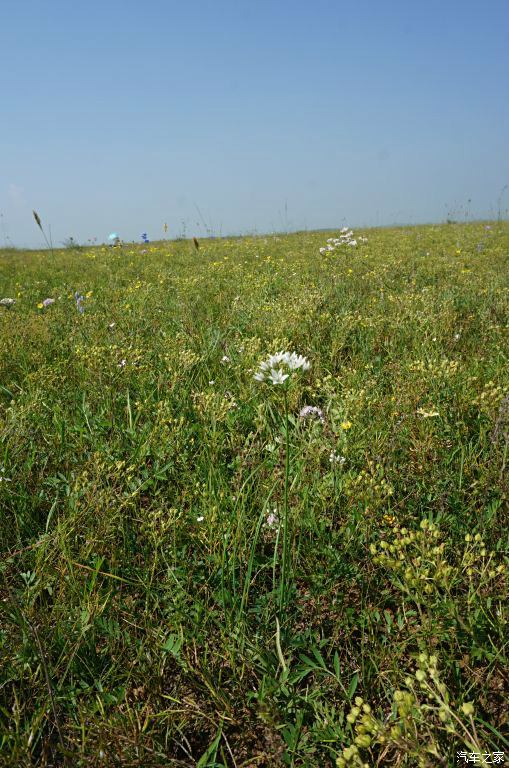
[
  {"x": 7, "y": 303},
  {"x": 4, "y": 479},
  {"x": 335, "y": 458},
  {"x": 277, "y": 368},
  {"x": 345, "y": 238}
]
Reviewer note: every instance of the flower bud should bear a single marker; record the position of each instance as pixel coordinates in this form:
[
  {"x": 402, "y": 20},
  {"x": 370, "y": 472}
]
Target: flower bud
[{"x": 363, "y": 740}]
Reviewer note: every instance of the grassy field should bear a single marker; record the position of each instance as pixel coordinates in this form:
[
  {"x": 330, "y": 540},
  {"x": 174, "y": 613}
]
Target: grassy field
[{"x": 196, "y": 572}]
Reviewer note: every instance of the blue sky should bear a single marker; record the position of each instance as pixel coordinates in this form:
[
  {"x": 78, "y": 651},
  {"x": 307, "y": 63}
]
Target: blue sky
[{"x": 239, "y": 116}]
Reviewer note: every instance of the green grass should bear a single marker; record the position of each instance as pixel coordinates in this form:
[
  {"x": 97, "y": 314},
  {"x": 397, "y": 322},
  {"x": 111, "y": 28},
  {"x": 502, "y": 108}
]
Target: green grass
[{"x": 146, "y": 618}]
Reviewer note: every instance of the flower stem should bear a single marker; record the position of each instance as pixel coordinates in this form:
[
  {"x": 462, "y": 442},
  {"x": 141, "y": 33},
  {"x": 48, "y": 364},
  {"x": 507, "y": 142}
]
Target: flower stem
[{"x": 284, "y": 562}]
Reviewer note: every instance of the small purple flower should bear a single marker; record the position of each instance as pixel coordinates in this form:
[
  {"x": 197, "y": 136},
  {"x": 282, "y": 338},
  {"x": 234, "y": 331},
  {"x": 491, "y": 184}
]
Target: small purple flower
[
  {"x": 272, "y": 519},
  {"x": 312, "y": 412},
  {"x": 48, "y": 302}
]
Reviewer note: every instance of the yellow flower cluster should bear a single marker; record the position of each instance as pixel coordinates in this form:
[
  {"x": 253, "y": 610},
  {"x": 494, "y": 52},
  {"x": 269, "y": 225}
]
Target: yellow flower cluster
[{"x": 416, "y": 558}]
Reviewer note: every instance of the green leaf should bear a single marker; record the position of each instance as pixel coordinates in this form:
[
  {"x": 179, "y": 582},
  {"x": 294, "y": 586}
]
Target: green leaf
[
  {"x": 208, "y": 759},
  {"x": 353, "y": 685},
  {"x": 173, "y": 645}
]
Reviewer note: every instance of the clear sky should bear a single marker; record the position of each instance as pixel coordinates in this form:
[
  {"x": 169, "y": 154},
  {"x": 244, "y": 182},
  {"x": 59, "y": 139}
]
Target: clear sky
[{"x": 249, "y": 115}]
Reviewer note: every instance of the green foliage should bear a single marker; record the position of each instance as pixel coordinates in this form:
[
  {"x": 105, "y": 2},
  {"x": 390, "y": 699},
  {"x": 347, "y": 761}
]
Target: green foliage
[{"x": 192, "y": 575}]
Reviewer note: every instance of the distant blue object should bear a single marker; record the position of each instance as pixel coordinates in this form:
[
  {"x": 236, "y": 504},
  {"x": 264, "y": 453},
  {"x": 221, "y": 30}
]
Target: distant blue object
[
  {"x": 114, "y": 239},
  {"x": 144, "y": 237}
]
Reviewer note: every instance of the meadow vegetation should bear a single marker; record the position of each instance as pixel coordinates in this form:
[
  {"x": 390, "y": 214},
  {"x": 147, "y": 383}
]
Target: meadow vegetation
[{"x": 199, "y": 568}]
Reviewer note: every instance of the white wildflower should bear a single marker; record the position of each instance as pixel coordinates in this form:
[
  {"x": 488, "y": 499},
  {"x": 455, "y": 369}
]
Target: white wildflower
[
  {"x": 295, "y": 361},
  {"x": 279, "y": 357},
  {"x": 273, "y": 368},
  {"x": 277, "y": 377},
  {"x": 346, "y": 237},
  {"x": 4, "y": 479},
  {"x": 335, "y": 458}
]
